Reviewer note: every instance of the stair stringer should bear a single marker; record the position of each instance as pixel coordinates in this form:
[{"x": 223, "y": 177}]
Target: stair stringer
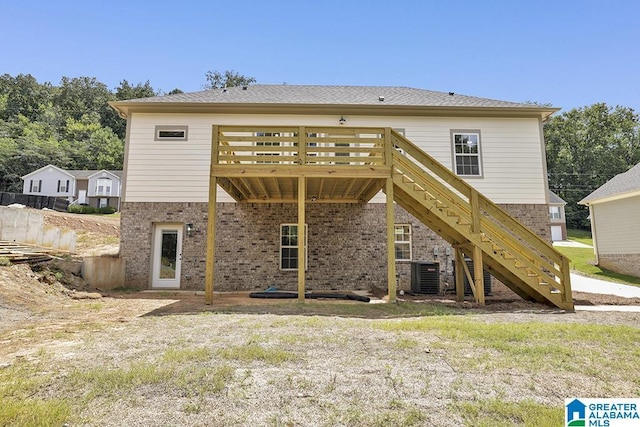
[
  {"x": 457, "y": 239},
  {"x": 450, "y": 216}
]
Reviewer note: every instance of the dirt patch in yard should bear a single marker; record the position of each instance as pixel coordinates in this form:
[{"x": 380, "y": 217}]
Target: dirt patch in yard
[{"x": 166, "y": 358}]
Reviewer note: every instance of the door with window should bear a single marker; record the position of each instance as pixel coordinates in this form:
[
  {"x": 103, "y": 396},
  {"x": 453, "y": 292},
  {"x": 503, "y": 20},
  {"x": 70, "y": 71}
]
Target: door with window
[{"x": 167, "y": 256}]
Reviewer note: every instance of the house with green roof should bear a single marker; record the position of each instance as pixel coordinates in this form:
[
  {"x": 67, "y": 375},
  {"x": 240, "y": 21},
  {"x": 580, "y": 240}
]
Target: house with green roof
[
  {"x": 614, "y": 210},
  {"x": 335, "y": 188}
]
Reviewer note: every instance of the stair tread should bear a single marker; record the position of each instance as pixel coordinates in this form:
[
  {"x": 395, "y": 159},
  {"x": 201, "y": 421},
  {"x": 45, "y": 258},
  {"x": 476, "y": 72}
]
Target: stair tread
[{"x": 511, "y": 263}]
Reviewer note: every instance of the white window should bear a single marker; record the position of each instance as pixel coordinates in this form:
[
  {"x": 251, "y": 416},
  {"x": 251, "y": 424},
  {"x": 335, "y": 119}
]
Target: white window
[
  {"x": 103, "y": 187},
  {"x": 554, "y": 212},
  {"x": 402, "y": 239},
  {"x": 466, "y": 153},
  {"x": 63, "y": 186},
  {"x": 342, "y": 154},
  {"x": 267, "y": 144},
  {"x": 104, "y": 203},
  {"x": 171, "y": 133},
  {"x": 289, "y": 247},
  {"x": 35, "y": 186}
]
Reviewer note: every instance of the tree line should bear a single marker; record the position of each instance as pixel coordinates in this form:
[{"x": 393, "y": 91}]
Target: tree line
[
  {"x": 72, "y": 126},
  {"x": 585, "y": 148}
]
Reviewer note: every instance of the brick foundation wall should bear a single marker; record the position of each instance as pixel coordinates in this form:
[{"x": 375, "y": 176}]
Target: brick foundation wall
[
  {"x": 536, "y": 217},
  {"x": 346, "y": 248},
  {"x": 622, "y": 263}
]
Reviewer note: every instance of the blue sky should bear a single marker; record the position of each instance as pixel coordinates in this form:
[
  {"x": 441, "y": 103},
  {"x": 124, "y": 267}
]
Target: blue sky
[{"x": 569, "y": 53}]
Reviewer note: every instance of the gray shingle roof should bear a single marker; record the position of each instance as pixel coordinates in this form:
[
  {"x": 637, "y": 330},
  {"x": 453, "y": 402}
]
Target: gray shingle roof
[
  {"x": 626, "y": 182},
  {"x": 555, "y": 199},
  {"x": 330, "y": 95},
  {"x": 85, "y": 174}
]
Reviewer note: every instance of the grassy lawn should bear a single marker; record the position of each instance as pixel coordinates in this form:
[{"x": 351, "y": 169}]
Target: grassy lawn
[
  {"x": 320, "y": 370},
  {"x": 583, "y": 259}
]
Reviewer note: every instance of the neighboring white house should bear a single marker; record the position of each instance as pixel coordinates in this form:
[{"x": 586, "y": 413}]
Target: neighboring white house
[
  {"x": 97, "y": 188},
  {"x": 496, "y": 147},
  {"x": 557, "y": 217},
  {"x": 614, "y": 210}
]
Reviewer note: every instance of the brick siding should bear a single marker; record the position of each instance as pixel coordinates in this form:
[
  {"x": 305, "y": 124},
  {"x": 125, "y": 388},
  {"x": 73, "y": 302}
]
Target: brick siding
[
  {"x": 622, "y": 263},
  {"x": 346, "y": 248}
]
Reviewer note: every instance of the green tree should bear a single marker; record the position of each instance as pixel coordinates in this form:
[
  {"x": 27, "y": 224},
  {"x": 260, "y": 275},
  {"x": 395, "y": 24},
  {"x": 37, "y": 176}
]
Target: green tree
[
  {"x": 230, "y": 78},
  {"x": 585, "y": 148},
  {"x": 124, "y": 92},
  {"x": 23, "y": 95}
]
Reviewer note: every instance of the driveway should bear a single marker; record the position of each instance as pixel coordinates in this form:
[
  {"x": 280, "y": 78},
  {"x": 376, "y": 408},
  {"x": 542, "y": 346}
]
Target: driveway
[{"x": 581, "y": 283}]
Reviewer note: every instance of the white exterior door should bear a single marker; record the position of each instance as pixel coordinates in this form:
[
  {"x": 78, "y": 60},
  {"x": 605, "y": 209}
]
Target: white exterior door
[
  {"x": 82, "y": 196},
  {"x": 167, "y": 256},
  {"x": 556, "y": 233}
]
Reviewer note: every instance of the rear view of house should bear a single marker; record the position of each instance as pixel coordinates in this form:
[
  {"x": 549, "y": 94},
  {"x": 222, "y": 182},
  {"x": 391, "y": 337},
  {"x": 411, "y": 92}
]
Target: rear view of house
[{"x": 336, "y": 187}]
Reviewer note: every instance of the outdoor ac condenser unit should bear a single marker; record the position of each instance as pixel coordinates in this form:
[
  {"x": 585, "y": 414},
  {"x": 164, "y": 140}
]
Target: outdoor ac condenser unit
[
  {"x": 467, "y": 287},
  {"x": 425, "y": 277}
]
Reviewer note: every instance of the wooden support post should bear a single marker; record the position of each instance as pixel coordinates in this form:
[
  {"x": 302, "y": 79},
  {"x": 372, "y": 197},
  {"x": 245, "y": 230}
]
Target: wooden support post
[
  {"x": 459, "y": 279},
  {"x": 474, "y": 200},
  {"x": 391, "y": 245},
  {"x": 302, "y": 146},
  {"x": 302, "y": 195},
  {"x": 388, "y": 148},
  {"x": 567, "y": 296},
  {"x": 478, "y": 273},
  {"x": 211, "y": 221}
]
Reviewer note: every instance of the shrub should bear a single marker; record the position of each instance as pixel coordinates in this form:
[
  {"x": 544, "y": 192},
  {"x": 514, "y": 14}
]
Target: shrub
[
  {"x": 81, "y": 209},
  {"x": 4, "y": 261},
  {"x": 74, "y": 209},
  {"x": 84, "y": 209}
]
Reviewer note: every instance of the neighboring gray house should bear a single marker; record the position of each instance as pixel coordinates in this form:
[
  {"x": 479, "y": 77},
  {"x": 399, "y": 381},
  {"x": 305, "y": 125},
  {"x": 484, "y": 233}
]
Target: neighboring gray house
[
  {"x": 97, "y": 188},
  {"x": 614, "y": 209},
  {"x": 557, "y": 217}
]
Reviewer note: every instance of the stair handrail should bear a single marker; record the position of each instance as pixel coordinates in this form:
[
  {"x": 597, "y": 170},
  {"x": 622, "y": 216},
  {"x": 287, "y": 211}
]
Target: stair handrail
[
  {"x": 546, "y": 270},
  {"x": 493, "y": 210}
]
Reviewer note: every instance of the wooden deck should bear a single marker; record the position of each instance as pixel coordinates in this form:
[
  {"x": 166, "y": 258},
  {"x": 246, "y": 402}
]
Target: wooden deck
[{"x": 288, "y": 164}]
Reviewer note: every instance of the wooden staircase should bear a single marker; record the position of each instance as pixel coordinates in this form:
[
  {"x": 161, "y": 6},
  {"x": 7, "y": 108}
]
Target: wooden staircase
[{"x": 479, "y": 229}]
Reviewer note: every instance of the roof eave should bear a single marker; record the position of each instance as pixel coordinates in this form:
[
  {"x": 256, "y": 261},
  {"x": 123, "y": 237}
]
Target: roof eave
[
  {"x": 609, "y": 198},
  {"x": 124, "y": 108}
]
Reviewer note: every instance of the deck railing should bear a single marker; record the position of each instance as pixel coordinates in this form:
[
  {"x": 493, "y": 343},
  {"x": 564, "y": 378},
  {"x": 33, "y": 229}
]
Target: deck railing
[{"x": 299, "y": 145}]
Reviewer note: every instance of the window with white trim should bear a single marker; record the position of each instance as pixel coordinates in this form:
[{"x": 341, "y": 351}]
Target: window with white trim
[
  {"x": 267, "y": 144},
  {"x": 35, "y": 186},
  {"x": 466, "y": 153},
  {"x": 554, "y": 212},
  {"x": 402, "y": 238},
  {"x": 171, "y": 133},
  {"x": 63, "y": 186},
  {"x": 103, "y": 187},
  {"x": 289, "y": 247},
  {"x": 342, "y": 154}
]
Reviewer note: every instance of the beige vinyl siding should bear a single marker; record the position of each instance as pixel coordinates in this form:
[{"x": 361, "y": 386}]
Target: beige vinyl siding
[
  {"x": 177, "y": 171},
  {"x": 616, "y": 225}
]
